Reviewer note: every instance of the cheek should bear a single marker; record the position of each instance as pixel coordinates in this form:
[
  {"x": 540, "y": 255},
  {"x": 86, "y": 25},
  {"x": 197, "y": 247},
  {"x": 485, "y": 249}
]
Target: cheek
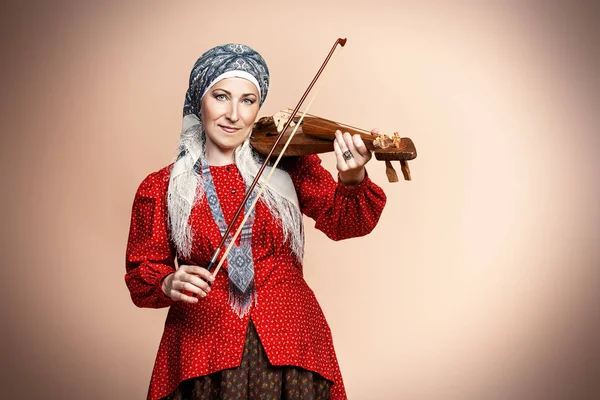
[
  {"x": 210, "y": 110},
  {"x": 250, "y": 116}
]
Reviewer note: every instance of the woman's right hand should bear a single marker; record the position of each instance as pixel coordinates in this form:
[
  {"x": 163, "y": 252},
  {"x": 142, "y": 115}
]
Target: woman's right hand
[{"x": 188, "y": 278}]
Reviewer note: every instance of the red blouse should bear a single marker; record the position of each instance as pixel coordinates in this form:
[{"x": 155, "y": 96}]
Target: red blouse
[{"x": 207, "y": 337}]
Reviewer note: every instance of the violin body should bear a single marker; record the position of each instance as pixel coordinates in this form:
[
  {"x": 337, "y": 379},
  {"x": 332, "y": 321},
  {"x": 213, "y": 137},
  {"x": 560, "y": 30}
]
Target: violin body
[
  {"x": 316, "y": 135},
  {"x": 265, "y": 133}
]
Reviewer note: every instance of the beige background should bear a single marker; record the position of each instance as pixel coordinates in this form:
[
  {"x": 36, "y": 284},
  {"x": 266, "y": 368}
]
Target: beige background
[{"x": 481, "y": 280}]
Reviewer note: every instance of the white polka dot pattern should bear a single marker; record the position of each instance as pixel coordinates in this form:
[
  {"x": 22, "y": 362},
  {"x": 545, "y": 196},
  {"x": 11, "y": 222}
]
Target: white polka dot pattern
[{"x": 206, "y": 337}]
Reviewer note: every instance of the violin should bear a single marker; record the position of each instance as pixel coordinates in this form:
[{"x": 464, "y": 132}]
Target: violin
[{"x": 315, "y": 135}]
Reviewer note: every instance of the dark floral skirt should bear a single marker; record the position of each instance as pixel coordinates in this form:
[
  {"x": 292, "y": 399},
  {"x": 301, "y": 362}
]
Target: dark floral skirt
[{"x": 255, "y": 378}]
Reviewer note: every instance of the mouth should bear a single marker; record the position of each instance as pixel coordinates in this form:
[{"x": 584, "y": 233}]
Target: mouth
[{"x": 229, "y": 129}]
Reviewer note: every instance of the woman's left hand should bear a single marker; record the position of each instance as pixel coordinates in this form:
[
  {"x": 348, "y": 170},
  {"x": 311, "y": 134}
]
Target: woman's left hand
[{"x": 352, "y": 155}]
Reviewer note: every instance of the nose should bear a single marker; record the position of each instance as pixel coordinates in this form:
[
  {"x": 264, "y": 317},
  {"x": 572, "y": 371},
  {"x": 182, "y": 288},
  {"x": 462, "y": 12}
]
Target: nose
[{"x": 233, "y": 112}]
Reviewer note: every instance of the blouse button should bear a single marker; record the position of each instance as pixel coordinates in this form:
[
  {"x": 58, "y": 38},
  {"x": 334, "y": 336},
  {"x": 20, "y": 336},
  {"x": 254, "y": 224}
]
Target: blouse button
[
  {"x": 228, "y": 169},
  {"x": 233, "y": 191}
]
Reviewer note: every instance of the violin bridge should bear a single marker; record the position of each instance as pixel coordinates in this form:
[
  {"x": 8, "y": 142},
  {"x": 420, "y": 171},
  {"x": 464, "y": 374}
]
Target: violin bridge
[{"x": 281, "y": 118}]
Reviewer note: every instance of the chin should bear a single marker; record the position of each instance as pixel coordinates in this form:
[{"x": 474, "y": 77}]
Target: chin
[{"x": 232, "y": 145}]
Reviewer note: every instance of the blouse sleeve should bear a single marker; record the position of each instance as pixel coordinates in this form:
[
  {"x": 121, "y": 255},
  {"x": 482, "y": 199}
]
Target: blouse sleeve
[
  {"x": 339, "y": 211},
  {"x": 149, "y": 255}
]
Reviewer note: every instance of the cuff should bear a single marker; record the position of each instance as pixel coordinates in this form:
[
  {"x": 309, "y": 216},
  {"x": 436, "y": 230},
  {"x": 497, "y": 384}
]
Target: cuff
[
  {"x": 155, "y": 277},
  {"x": 353, "y": 190}
]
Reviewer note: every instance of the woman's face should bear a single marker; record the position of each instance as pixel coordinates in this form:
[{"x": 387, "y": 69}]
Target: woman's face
[{"x": 228, "y": 110}]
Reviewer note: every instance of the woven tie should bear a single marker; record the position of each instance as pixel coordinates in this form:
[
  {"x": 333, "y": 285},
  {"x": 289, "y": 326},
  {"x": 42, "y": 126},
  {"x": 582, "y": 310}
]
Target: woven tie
[{"x": 240, "y": 265}]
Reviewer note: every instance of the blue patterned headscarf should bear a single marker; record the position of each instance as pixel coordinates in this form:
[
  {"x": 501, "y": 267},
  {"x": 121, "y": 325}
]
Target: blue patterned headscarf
[{"x": 222, "y": 60}]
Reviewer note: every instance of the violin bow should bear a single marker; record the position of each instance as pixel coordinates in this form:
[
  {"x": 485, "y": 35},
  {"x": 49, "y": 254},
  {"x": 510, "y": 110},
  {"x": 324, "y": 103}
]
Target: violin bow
[{"x": 340, "y": 42}]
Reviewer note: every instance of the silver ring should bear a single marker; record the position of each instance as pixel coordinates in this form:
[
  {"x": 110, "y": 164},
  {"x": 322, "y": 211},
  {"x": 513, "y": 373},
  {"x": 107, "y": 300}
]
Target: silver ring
[{"x": 347, "y": 155}]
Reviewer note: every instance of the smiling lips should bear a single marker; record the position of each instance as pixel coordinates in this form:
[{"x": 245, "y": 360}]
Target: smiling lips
[{"x": 229, "y": 129}]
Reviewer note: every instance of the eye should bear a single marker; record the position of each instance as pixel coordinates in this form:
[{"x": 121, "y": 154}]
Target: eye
[
  {"x": 220, "y": 97},
  {"x": 249, "y": 101}
]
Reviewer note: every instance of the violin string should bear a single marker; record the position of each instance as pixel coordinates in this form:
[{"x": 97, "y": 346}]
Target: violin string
[
  {"x": 274, "y": 166},
  {"x": 341, "y": 125},
  {"x": 329, "y": 120},
  {"x": 364, "y": 132},
  {"x": 369, "y": 137}
]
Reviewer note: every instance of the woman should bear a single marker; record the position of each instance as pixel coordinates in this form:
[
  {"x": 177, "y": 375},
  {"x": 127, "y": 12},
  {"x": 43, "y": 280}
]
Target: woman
[{"x": 257, "y": 330}]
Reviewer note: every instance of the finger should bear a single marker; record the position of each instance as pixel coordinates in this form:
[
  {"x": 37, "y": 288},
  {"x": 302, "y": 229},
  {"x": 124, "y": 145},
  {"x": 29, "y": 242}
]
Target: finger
[
  {"x": 375, "y": 131},
  {"x": 201, "y": 272},
  {"x": 339, "y": 140},
  {"x": 339, "y": 156},
  {"x": 348, "y": 145},
  {"x": 345, "y": 156},
  {"x": 184, "y": 286},
  {"x": 197, "y": 282},
  {"x": 361, "y": 148},
  {"x": 358, "y": 157},
  {"x": 178, "y": 296},
  {"x": 187, "y": 287}
]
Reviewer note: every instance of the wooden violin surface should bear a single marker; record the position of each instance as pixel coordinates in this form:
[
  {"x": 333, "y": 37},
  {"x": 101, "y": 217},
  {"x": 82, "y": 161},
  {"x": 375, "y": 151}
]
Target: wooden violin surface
[
  {"x": 265, "y": 132},
  {"x": 315, "y": 136}
]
